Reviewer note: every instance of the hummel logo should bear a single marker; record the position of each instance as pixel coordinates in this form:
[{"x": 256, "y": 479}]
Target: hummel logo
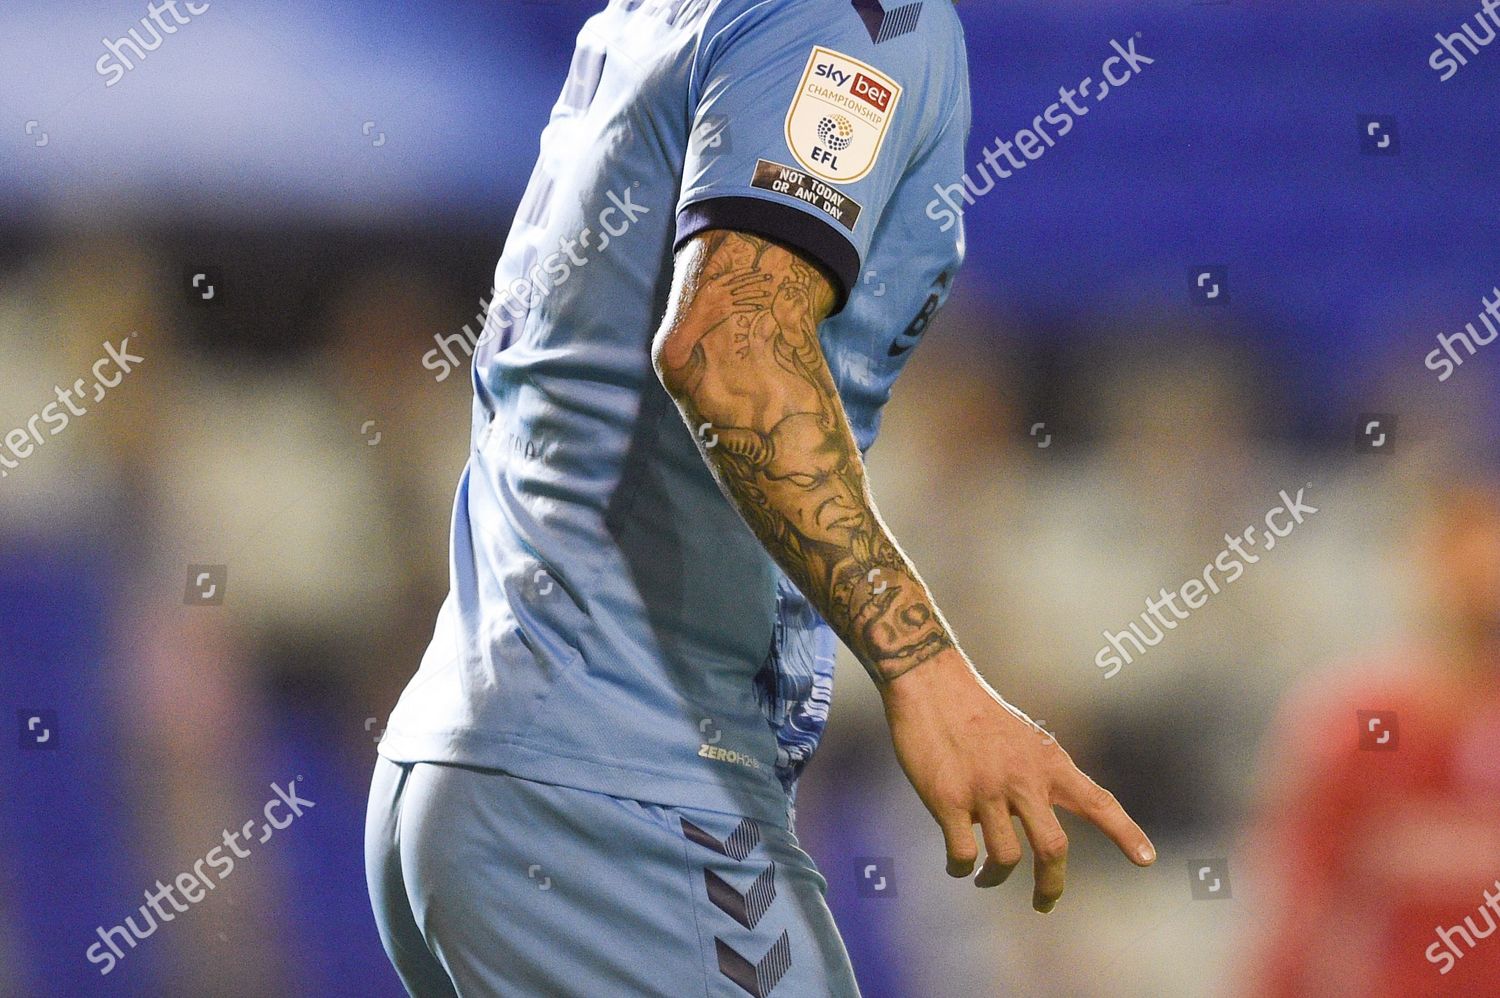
[
  {"x": 757, "y": 979},
  {"x": 882, "y": 24},
  {"x": 746, "y": 908},
  {"x": 739, "y": 844}
]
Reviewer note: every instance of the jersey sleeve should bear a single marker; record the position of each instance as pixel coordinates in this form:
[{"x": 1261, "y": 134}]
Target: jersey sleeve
[{"x": 802, "y": 126}]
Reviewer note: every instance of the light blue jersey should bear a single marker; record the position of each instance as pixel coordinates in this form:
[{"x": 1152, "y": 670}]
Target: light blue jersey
[{"x": 613, "y": 625}]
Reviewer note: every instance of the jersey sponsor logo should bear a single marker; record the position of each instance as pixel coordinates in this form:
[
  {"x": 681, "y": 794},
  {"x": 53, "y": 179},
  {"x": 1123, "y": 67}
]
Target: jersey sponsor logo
[
  {"x": 792, "y": 182},
  {"x": 840, "y": 116},
  {"x": 707, "y": 751}
]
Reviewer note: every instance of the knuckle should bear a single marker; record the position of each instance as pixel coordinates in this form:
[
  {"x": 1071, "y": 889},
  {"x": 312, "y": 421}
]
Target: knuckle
[
  {"x": 953, "y": 802},
  {"x": 957, "y": 806},
  {"x": 1098, "y": 799},
  {"x": 1034, "y": 790},
  {"x": 994, "y": 797},
  {"x": 1051, "y": 845}
]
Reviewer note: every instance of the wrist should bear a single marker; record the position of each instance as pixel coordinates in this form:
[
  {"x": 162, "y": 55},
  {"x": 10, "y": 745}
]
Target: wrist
[{"x": 920, "y": 680}]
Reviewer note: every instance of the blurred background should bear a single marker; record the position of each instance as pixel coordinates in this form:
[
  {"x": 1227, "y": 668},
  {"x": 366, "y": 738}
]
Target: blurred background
[{"x": 218, "y": 574}]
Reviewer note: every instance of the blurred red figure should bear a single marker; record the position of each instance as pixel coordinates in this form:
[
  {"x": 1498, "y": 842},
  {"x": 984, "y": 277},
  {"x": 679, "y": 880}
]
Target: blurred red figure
[{"x": 1380, "y": 837}]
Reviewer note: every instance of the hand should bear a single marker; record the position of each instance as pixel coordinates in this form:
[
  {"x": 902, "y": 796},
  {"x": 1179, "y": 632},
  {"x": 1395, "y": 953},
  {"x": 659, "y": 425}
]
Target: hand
[{"x": 973, "y": 758}]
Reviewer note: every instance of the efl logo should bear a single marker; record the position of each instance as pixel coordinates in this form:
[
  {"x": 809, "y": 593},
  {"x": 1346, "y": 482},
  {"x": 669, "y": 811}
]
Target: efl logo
[
  {"x": 871, "y": 92},
  {"x": 835, "y": 131}
]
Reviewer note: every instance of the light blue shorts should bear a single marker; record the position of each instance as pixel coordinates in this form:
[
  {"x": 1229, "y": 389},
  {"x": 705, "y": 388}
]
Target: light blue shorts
[{"x": 486, "y": 884}]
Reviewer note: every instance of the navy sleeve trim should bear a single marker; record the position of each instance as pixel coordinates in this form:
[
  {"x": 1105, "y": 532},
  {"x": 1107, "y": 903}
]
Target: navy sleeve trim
[{"x": 794, "y": 228}]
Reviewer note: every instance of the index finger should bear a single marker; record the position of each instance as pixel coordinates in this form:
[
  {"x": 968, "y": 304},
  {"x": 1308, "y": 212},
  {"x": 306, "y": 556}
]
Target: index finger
[{"x": 1088, "y": 799}]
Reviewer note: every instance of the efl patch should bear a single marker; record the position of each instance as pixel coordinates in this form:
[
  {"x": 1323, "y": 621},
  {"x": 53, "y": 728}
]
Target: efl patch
[
  {"x": 794, "y": 183},
  {"x": 840, "y": 116}
]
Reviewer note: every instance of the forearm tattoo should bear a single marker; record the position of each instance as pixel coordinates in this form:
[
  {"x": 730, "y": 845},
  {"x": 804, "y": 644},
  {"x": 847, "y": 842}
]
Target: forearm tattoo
[{"x": 746, "y": 361}]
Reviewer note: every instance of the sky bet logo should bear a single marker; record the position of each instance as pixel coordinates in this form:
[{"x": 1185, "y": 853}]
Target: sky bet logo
[
  {"x": 840, "y": 116},
  {"x": 864, "y": 88},
  {"x": 828, "y": 71},
  {"x": 871, "y": 92}
]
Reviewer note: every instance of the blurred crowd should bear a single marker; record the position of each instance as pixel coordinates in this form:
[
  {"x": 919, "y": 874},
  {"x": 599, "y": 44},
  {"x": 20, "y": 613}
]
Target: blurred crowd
[{"x": 1046, "y": 485}]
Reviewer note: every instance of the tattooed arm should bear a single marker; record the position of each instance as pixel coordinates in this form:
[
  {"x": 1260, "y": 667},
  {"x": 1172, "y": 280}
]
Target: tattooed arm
[
  {"x": 748, "y": 365},
  {"x": 739, "y": 352}
]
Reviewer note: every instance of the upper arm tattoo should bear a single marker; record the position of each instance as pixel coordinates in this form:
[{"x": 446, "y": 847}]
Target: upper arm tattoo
[{"x": 741, "y": 354}]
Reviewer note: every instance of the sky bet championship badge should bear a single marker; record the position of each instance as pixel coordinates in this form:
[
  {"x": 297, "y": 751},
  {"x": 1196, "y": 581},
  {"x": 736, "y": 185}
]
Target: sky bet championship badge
[{"x": 839, "y": 117}]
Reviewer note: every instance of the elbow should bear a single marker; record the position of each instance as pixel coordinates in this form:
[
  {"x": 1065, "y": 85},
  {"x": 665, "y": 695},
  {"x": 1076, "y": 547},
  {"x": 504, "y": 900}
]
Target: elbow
[{"x": 666, "y": 356}]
